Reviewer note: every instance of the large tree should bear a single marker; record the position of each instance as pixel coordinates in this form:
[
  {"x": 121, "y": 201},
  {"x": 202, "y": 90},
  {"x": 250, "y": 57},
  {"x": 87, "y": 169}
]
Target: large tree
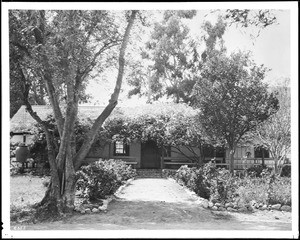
[
  {"x": 63, "y": 48},
  {"x": 232, "y": 98},
  {"x": 275, "y": 133},
  {"x": 171, "y": 56}
]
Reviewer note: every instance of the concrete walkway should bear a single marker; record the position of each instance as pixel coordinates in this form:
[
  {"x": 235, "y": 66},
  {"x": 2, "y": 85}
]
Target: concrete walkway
[{"x": 156, "y": 189}]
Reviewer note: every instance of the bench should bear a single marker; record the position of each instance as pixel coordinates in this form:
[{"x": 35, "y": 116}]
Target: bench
[
  {"x": 177, "y": 161},
  {"x": 181, "y": 163},
  {"x": 133, "y": 164}
]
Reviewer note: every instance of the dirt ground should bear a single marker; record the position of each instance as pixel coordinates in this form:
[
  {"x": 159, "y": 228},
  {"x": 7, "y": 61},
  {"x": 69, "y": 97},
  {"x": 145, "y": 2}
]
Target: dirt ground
[
  {"x": 162, "y": 204},
  {"x": 26, "y": 190}
]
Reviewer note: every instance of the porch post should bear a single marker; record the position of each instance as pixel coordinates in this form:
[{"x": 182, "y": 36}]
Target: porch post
[
  {"x": 162, "y": 159},
  {"x": 263, "y": 157}
]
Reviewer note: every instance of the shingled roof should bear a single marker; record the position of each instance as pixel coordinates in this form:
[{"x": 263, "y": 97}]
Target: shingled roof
[{"x": 23, "y": 122}]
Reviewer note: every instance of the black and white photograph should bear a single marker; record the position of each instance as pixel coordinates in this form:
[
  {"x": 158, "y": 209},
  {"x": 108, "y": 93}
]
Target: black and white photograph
[{"x": 149, "y": 120}]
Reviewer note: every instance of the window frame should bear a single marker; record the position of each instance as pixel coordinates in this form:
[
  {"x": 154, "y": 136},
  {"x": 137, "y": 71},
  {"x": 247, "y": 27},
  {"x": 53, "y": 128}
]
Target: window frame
[
  {"x": 125, "y": 148},
  {"x": 260, "y": 151}
]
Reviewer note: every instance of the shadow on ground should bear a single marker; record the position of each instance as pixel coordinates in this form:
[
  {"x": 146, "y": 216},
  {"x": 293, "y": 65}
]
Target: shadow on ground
[{"x": 158, "y": 215}]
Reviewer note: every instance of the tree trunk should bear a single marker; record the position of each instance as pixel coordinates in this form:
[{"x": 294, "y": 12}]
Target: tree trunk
[
  {"x": 201, "y": 157},
  {"x": 60, "y": 195},
  {"x": 276, "y": 164},
  {"x": 69, "y": 182},
  {"x": 90, "y": 138},
  {"x": 231, "y": 157}
]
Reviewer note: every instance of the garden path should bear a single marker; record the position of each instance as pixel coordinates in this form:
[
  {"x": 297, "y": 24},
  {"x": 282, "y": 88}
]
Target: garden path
[
  {"x": 156, "y": 189},
  {"x": 162, "y": 204}
]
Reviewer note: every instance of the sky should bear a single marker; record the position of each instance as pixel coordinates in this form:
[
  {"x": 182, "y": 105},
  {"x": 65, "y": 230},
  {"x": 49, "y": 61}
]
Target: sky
[{"x": 271, "y": 48}]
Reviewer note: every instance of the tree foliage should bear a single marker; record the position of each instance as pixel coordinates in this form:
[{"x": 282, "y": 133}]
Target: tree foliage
[
  {"x": 171, "y": 54},
  {"x": 19, "y": 47},
  {"x": 275, "y": 133},
  {"x": 232, "y": 99},
  {"x": 174, "y": 59},
  {"x": 245, "y": 17}
]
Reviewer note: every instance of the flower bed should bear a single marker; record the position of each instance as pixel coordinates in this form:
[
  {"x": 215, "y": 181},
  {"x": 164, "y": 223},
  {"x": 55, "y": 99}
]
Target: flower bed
[{"x": 220, "y": 190}]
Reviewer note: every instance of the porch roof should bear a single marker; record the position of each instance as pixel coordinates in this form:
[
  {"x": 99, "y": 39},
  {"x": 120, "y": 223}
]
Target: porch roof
[{"x": 23, "y": 122}]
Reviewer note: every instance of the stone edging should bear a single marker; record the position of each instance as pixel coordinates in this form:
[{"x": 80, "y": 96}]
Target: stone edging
[
  {"x": 96, "y": 208},
  {"x": 233, "y": 207}
]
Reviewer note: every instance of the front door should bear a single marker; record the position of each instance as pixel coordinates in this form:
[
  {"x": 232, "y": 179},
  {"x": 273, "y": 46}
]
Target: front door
[{"x": 150, "y": 155}]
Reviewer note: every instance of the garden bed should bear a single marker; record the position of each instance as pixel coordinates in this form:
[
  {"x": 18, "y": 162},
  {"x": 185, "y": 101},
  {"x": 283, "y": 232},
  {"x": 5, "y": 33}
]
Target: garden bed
[
  {"x": 219, "y": 190},
  {"x": 96, "y": 185}
]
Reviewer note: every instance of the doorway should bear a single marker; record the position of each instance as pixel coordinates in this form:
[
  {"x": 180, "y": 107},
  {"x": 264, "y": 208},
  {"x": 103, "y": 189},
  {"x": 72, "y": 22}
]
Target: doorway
[{"x": 150, "y": 155}]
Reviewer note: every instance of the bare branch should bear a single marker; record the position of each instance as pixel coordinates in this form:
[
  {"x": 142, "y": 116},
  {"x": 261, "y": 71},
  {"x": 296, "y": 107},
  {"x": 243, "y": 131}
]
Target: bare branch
[{"x": 81, "y": 154}]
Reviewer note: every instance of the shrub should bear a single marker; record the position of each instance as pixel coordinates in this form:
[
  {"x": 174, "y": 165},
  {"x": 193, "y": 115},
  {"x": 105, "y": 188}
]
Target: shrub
[
  {"x": 219, "y": 185},
  {"x": 257, "y": 170},
  {"x": 13, "y": 147},
  {"x": 201, "y": 185},
  {"x": 280, "y": 191},
  {"x": 185, "y": 175},
  {"x": 16, "y": 168},
  {"x": 120, "y": 168},
  {"x": 223, "y": 187},
  {"x": 267, "y": 189},
  {"x": 250, "y": 189},
  {"x": 102, "y": 178},
  {"x": 285, "y": 171},
  {"x": 193, "y": 179},
  {"x": 208, "y": 182}
]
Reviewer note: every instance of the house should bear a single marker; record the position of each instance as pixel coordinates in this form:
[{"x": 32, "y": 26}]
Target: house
[{"x": 141, "y": 155}]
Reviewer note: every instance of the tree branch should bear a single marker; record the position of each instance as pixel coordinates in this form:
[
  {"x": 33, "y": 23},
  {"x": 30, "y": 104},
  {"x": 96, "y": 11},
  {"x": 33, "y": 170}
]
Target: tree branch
[{"x": 81, "y": 154}]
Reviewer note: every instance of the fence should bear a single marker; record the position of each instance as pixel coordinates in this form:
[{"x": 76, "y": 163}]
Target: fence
[{"x": 239, "y": 164}]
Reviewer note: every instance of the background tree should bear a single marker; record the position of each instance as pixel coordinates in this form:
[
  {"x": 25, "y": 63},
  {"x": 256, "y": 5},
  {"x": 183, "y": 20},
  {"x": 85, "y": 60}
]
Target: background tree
[
  {"x": 232, "y": 99},
  {"x": 275, "y": 133},
  {"x": 171, "y": 55},
  {"x": 172, "y": 59},
  {"x": 62, "y": 48},
  {"x": 246, "y": 17}
]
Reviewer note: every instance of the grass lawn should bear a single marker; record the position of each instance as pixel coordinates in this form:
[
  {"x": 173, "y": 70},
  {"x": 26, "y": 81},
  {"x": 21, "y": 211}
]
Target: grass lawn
[{"x": 26, "y": 190}]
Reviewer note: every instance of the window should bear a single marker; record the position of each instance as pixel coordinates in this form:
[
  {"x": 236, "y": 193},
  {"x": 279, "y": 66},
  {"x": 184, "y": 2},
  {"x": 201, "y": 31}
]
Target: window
[
  {"x": 121, "y": 149},
  {"x": 210, "y": 151},
  {"x": 220, "y": 152},
  {"x": 260, "y": 152}
]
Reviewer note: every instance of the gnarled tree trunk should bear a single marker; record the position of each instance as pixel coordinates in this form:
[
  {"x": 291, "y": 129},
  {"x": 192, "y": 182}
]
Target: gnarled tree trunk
[{"x": 60, "y": 195}]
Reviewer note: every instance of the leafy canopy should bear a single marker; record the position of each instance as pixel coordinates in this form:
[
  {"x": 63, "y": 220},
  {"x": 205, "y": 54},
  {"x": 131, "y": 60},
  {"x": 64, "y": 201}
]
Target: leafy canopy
[
  {"x": 232, "y": 99},
  {"x": 167, "y": 124}
]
